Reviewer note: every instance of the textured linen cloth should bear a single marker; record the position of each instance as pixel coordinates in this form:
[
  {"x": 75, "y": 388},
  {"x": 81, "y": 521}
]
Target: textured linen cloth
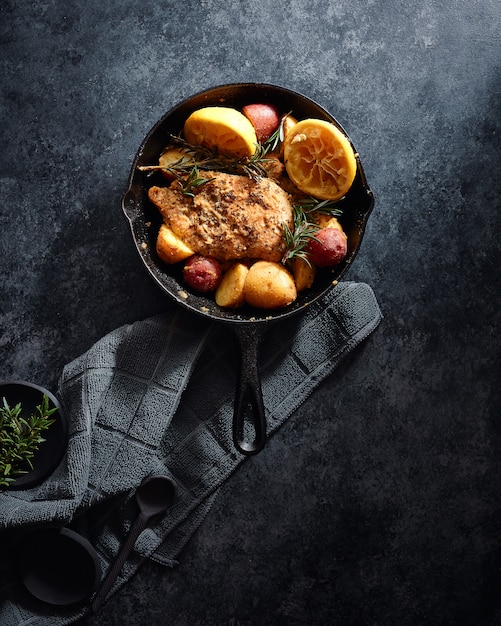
[{"x": 156, "y": 397}]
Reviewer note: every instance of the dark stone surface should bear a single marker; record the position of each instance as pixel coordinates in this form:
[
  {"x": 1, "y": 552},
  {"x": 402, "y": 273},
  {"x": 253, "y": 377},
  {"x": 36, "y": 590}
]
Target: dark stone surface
[{"x": 378, "y": 503}]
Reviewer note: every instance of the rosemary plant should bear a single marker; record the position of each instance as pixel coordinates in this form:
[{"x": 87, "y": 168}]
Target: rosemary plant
[{"x": 21, "y": 437}]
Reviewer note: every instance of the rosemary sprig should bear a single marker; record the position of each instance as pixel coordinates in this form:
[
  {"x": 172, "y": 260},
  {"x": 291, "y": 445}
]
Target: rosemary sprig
[
  {"x": 305, "y": 227},
  {"x": 205, "y": 159},
  {"x": 20, "y": 437},
  {"x": 314, "y": 205},
  {"x": 296, "y": 240},
  {"x": 276, "y": 138},
  {"x": 192, "y": 182}
]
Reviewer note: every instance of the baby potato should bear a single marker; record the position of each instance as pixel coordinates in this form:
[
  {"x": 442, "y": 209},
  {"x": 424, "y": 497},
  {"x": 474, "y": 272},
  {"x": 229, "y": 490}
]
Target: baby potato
[
  {"x": 334, "y": 223},
  {"x": 202, "y": 273},
  {"x": 327, "y": 221},
  {"x": 172, "y": 156},
  {"x": 304, "y": 274},
  {"x": 328, "y": 247},
  {"x": 170, "y": 248},
  {"x": 230, "y": 292},
  {"x": 288, "y": 123},
  {"x": 269, "y": 285},
  {"x": 264, "y": 117}
]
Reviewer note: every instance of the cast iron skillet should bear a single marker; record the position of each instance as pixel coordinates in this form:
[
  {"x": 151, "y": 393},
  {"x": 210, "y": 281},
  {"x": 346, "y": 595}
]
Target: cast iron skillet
[{"x": 249, "y": 423}]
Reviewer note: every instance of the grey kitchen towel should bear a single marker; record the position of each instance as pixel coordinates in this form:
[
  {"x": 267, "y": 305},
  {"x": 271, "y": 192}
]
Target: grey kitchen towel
[{"x": 156, "y": 397}]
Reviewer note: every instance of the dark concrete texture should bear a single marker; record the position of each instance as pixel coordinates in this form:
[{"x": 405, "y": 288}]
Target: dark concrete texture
[{"x": 378, "y": 503}]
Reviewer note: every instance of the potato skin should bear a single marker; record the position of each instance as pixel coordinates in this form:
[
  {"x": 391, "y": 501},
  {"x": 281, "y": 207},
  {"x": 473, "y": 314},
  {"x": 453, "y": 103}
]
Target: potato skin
[
  {"x": 326, "y": 221},
  {"x": 230, "y": 293},
  {"x": 288, "y": 123},
  {"x": 171, "y": 156},
  {"x": 202, "y": 273},
  {"x": 170, "y": 248},
  {"x": 328, "y": 248},
  {"x": 304, "y": 274},
  {"x": 269, "y": 285},
  {"x": 264, "y": 117}
]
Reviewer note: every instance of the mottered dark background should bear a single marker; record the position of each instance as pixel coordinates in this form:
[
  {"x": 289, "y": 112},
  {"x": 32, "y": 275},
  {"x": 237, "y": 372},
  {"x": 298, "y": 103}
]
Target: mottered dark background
[{"x": 378, "y": 503}]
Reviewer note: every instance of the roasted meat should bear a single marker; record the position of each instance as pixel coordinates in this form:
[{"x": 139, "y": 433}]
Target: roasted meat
[{"x": 230, "y": 217}]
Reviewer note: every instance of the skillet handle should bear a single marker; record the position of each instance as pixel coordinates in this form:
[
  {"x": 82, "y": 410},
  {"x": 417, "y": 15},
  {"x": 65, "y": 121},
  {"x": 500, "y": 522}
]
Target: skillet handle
[{"x": 249, "y": 406}]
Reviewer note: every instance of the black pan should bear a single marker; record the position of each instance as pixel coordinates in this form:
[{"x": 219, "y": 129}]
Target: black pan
[{"x": 249, "y": 325}]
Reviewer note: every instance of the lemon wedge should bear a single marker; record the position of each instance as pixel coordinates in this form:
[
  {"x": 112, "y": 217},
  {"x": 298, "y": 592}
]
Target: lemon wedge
[{"x": 223, "y": 128}]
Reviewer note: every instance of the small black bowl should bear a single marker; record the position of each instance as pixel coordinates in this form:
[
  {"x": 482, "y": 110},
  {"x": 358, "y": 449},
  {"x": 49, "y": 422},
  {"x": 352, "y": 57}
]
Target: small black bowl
[
  {"x": 58, "y": 566},
  {"x": 51, "y": 451}
]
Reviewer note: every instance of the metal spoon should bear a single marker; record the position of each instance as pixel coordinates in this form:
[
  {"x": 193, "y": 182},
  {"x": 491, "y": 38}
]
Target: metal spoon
[{"x": 154, "y": 496}]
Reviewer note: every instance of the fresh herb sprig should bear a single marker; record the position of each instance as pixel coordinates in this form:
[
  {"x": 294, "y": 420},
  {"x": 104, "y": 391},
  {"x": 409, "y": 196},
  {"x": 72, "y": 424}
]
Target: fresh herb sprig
[
  {"x": 203, "y": 158},
  {"x": 186, "y": 169},
  {"x": 297, "y": 239},
  {"x": 21, "y": 437},
  {"x": 192, "y": 182},
  {"x": 305, "y": 227},
  {"x": 276, "y": 138},
  {"x": 312, "y": 205}
]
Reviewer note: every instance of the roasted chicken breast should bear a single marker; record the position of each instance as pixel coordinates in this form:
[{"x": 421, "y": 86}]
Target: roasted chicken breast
[{"x": 230, "y": 217}]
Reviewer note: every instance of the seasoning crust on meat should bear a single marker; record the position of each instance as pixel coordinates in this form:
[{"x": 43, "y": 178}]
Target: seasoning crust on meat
[{"x": 230, "y": 217}]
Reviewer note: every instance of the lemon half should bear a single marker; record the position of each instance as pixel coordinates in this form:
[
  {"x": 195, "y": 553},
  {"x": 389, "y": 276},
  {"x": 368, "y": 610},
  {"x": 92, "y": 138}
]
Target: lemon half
[
  {"x": 319, "y": 159},
  {"x": 223, "y": 128}
]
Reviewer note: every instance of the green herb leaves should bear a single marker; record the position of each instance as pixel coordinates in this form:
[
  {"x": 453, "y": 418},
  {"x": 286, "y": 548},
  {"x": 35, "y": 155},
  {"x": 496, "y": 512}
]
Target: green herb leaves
[
  {"x": 20, "y": 438},
  {"x": 192, "y": 182},
  {"x": 202, "y": 158}
]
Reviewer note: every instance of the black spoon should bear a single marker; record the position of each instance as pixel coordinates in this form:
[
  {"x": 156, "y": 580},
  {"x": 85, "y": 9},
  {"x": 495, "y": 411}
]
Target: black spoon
[{"x": 153, "y": 496}]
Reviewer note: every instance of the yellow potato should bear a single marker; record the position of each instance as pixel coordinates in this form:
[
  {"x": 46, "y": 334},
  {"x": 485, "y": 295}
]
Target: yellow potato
[
  {"x": 173, "y": 156},
  {"x": 288, "y": 123},
  {"x": 230, "y": 292},
  {"x": 334, "y": 223},
  {"x": 269, "y": 285},
  {"x": 327, "y": 221},
  {"x": 170, "y": 248},
  {"x": 304, "y": 274}
]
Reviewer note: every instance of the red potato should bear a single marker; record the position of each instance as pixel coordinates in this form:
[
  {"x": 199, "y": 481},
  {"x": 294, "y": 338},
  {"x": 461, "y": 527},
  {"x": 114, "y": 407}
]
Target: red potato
[
  {"x": 328, "y": 248},
  {"x": 264, "y": 117},
  {"x": 202, "y": 273}
]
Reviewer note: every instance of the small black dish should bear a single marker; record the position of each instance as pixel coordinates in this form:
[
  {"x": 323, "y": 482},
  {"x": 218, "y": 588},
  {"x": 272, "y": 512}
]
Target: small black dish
[
  {"x": 51, "y": 451},
  {"x": 58, "y": 566}
]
